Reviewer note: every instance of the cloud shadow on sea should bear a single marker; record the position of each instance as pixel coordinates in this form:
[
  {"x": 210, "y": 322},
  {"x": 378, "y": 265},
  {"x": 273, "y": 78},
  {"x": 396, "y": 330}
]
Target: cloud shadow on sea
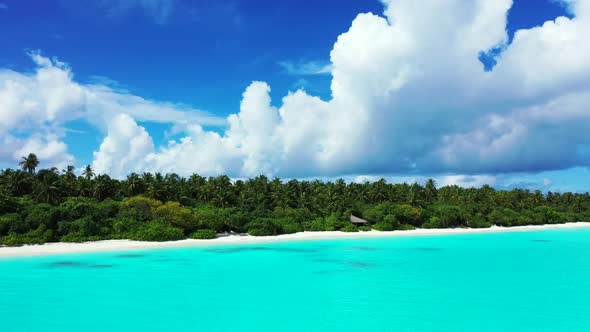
[
  {"x": 255, "y": 249},
  {"x": 76, "y": 264},
  {"x": 130, "y": 255}
]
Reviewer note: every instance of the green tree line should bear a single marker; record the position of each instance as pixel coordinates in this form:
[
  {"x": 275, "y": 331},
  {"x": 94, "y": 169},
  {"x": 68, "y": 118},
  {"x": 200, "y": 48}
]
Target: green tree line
[{"x": 46, "y": 205}]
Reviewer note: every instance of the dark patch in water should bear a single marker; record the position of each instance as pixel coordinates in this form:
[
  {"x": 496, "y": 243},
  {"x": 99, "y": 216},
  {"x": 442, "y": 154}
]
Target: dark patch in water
[
  {"x": 168, "y": 260},
  {"x": 322, "y": 272},
  {"x": 364, "y": 249},
  {"x": 246, "y": 249},
  {"x": 541, "y": 240},
  {"x": 99, "y": 266},
  {"x": 235, "y": 250},
  {"x": 427, "y": 249},
  {"x": 79, "y": 265},
  {"x": 67, "y": 264},
  {"x": 300, "y": 250},
  {"x": 361, "y": 264},
  {"x": 129, "y": 255}
]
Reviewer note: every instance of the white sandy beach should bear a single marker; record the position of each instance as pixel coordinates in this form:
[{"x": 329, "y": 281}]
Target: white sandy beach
[{"x": 123, "y": 245}]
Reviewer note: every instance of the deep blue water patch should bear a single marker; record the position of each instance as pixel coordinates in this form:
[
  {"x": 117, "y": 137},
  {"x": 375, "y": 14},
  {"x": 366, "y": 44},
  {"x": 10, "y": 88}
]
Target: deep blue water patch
[
  {"x": 99, "y": 266},
  {"x": 364, "y": 248},
  {"x": 130, "y": 255},
  {"x": 171, "y": 260},
  {"x": 361, "y": 264},
  {"x": 254, "y": 249},
  {"x": 67, "y": 264},
  {"x": 77, "y": 264}
]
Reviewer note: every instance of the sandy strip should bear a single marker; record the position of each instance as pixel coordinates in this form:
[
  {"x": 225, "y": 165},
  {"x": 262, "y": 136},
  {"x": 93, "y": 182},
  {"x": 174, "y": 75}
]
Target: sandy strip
[{"x": 123, "y": 245}]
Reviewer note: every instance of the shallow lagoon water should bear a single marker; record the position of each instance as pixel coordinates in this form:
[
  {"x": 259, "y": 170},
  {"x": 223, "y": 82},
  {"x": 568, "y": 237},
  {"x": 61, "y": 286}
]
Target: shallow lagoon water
[{"x": 521, "y": 281}]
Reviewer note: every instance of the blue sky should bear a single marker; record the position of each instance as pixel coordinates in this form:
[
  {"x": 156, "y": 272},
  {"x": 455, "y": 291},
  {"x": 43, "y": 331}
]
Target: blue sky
[{"x": 199, "y": 55}]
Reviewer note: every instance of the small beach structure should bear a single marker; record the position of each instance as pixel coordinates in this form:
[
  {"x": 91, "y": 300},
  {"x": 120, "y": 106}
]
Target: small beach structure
[{"x": 358, "y": 221}]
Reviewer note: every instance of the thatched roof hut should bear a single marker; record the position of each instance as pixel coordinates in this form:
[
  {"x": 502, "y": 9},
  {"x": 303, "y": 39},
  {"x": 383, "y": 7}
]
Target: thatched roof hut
[{"x": 358, "y": 221}]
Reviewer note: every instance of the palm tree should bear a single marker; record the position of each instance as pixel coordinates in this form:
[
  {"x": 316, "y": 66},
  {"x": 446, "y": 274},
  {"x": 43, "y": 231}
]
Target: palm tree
[
  {"x": 18, "y": 182},
  {"x": 85, "y": 187},
  {"x": 416, "y": 195},
  {"x": 430, "y": 190},
  {"x": 135, "y": 184},
  {"x": 104, "y": 187},
  {"x": 29, "y": 163},
  {"x": 69, "y": 181},
  {"x": 172, "y": 186},
  {"x": 377, "y": 191},
  {"x": 53, "y": 170},
  {"x": 156, "y": 187},
  {"x": 47, "y": 188},
  {"x": 88, "y": 172},
  {"x": 69, "y": 174}
]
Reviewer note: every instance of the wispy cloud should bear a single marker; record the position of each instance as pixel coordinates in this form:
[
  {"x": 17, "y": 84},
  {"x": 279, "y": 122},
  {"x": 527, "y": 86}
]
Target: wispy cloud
[
  {"x": 567, "y": 4},
  {"x": 158, "y": 10},
  {"x": 306, "y": 68},
  {"x": 106, "y": 81},
  {"x": 301, "y": 83},
  {"x": 3, "y": 6}
]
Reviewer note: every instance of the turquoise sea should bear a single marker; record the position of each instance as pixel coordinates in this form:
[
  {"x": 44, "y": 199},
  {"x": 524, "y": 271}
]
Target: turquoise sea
[{"x": 521, "y": 281}]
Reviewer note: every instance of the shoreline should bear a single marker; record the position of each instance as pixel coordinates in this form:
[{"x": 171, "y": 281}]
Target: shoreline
[{"x": 64, "y": 248}]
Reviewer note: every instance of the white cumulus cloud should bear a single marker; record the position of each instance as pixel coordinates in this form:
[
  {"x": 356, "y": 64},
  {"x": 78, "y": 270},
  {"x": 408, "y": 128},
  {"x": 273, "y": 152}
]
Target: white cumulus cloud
[
  {"x": 124, "y": 148},
  {"x": 36, "y": 107},
  {"x": 409, "y": 94}
]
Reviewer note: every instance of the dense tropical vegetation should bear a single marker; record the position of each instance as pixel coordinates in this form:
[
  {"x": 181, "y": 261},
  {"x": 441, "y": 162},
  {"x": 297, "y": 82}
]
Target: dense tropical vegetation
[{"x": 38, "y": 206}]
